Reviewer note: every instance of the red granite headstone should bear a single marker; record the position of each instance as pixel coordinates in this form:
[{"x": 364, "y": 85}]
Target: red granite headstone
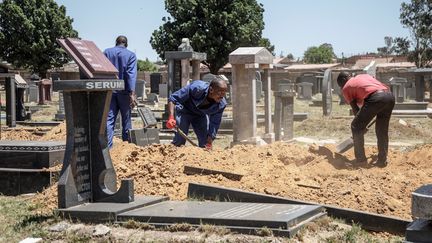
[{"x": 91, "y": 61}]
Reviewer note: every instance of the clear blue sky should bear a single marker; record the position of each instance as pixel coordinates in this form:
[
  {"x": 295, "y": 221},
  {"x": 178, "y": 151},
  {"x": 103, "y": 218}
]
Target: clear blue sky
[{"x": 351, "y": 26}]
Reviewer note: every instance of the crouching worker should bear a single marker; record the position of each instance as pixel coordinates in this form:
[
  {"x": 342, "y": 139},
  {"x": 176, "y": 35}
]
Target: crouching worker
[{"x": 201, "y": 105}]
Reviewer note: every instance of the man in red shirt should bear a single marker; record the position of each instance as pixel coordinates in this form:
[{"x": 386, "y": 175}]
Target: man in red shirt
[{"x": 368, "y": 98}]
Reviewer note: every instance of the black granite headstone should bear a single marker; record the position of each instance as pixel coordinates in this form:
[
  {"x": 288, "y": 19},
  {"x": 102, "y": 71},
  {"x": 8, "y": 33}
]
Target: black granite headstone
[
  {"x": 147, "y": 117},
  {"x": 144, "y": 136},
  {"x": 88, "y": 174},
  {"x": 273, "y": 216},
  {"x": 30, "y": 154},
  {"x": 420, "y": 230}
]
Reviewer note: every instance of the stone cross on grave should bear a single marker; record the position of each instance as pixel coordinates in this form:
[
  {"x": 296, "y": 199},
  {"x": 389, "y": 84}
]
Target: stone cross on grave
[
  {"x": 246, "y": 61},
  {"x": 88, "y": 174}
]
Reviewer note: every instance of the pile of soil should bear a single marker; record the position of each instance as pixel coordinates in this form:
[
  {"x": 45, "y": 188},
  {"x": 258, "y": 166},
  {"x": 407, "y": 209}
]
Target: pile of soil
[
  {"x": 309, "y": 173},
  {"x": 35, "y": 133}
]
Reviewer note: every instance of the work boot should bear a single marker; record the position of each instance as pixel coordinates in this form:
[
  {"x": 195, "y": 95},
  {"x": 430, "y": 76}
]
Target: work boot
[
  {"x": 361, "y": 161},
  {"x": 381, "y": 163}
]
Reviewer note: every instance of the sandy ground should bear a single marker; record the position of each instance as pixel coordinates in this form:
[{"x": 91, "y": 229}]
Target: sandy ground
[{"x": 303, "y": 172}]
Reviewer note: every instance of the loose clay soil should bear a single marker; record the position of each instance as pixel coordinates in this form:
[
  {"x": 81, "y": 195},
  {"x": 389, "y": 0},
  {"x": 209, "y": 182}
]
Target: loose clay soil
[{"x": 309, "y": 173}]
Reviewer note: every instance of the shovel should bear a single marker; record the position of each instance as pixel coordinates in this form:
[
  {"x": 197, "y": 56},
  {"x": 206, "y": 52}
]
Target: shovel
[
  {"x": 349, "y": 142},
  {"x": 185, "y": 136}
]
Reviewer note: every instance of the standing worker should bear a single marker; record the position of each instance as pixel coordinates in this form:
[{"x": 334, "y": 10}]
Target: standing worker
[
  {"x": 201, "y": 105},
  {"x": 368, "y": 98},
  {"x": 122, "y": 100}
]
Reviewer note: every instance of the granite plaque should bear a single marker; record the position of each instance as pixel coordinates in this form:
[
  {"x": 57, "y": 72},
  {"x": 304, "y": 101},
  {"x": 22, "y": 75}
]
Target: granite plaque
[
  {"x": 279, "y": 216},
  {"x": 89, "y": 58},
  {"x": 144, "y": 136},
  {"x": 147, "y": 117}
]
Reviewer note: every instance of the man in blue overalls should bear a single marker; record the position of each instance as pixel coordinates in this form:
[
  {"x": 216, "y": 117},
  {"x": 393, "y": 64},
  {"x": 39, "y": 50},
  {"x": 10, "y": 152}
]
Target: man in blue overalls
[
  {"x": 201, "y": 105},
  {"x": 123, "y": 100}
]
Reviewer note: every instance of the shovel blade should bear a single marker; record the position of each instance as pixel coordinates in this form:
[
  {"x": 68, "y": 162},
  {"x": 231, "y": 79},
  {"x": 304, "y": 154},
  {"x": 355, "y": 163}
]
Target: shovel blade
[{"x": 345, "y": 145}]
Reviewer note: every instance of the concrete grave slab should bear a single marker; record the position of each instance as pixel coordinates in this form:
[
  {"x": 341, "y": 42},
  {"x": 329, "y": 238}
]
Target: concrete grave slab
[
  {"x": 273, "y": 216},
  {"x": 103, "y": 211}
]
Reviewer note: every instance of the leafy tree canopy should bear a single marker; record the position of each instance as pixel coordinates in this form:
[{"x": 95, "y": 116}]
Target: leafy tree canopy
[
  {"x": 28, "y": 33},
  {"x": 321, "y": 54},
  {"x": 214, "y": 27},
  {"x": 416, "y": 15},
  {"x": 146, "y": 65}
]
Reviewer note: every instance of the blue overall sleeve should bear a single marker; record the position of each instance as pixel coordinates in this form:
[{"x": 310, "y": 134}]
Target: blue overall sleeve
[
  {"x": 214, "y": 123},
  {"x": 180, "y": 96},
  {"x": 131, "y": 73}
]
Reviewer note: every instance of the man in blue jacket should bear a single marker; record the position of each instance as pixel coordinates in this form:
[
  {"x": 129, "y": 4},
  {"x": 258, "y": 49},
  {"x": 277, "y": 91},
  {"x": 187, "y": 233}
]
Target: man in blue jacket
[
  {"x": 123, "y": 100},
  {"x": 201, "y": 105}
]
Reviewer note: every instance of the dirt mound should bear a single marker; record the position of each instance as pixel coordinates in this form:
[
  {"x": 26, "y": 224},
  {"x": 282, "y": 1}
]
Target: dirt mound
[
  {"x": 289, "y": 170},
  {"x": 35, "y": 133},
  {"x": 57, "y": 133},
  {"x": 19, "y": 134}
]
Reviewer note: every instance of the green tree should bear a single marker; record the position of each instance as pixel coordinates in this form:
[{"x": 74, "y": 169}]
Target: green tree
[
  {"x": 321, "y": 54},
  {"x": 265, "y": 42},
  {"x": 401, "y": 46},
  {"x": 417, "y": 17},
  {"x": 146, "y": 66},
  {"x": 214, "y": 27},
  {"x": 28, "y": 33}
]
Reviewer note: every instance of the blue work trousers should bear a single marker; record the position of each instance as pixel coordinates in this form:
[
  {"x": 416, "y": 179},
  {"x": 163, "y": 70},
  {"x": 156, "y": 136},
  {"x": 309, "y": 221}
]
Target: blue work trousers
[
  {"x": 119, "y": 102},
  {"x": 199, "y": 124}
]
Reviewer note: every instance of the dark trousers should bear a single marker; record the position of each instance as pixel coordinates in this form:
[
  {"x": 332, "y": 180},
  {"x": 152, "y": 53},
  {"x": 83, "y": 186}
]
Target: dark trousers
[
  {"x": 379, "y": 104},
  {"x": 199, "y": 124},
  {"x": 119, "y": 102}
]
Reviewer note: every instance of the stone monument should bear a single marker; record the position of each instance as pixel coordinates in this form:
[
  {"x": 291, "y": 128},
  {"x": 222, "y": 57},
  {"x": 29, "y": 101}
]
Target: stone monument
[
  {"x": 327, "y": 92},
  {"x": 15, "y": 86},
  {"x": 284, "y": 111},
  {"x": 246, "y": 61},
  {"x": 179, "y": 65},
  {"x": 87, "y": 174},
  {"x": 398, "y": 88}
]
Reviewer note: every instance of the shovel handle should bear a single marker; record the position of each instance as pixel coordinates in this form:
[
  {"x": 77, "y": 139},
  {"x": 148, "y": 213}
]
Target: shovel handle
[
  {"x": 185, "y": 136},
  {"x": 372, "y": 122}
]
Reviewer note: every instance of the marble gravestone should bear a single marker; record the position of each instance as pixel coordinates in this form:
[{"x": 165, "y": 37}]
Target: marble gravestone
[{"x": 87, "y": 174}]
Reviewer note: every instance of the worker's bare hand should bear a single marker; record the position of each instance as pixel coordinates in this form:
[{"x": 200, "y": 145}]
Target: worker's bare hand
[{"x": 132, "y": 100}]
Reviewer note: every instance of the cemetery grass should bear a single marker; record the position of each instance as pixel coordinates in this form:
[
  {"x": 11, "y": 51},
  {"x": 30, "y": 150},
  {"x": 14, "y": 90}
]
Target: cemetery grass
[{"x": 19, "y": 220}]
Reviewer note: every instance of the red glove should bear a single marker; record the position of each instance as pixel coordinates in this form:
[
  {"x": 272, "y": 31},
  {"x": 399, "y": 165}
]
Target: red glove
[
  {"x": 171, "y": 123},
  {"x": 208, "y": 146},
  {"x": 209, "y": 143}
]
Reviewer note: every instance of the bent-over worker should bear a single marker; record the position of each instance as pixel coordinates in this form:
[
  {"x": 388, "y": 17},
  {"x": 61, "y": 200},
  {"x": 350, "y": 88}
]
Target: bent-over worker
[
  {"x": 201, "y": 105},
  {"x": 368, "y": 98}
]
